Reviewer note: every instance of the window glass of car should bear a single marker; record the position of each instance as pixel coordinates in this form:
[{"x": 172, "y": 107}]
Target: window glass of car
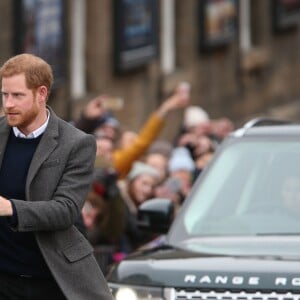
[{"x": 252, "y": 188}]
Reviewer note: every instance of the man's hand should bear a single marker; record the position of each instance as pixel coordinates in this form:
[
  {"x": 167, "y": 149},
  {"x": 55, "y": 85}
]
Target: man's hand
[{"x": 5, "y": 207}]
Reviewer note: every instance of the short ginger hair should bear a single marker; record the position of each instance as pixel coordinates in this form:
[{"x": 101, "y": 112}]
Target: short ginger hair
[{"x": 36, "y": 70}]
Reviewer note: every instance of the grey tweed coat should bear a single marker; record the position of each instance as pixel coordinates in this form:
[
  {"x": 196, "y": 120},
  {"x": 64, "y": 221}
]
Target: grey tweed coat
[{"x": 57, "y": 183}]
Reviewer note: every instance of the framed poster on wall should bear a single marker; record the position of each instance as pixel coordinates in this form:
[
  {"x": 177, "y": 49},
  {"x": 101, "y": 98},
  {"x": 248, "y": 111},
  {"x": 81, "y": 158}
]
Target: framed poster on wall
[
  {"x": 218, "y": 23},
  {"x": 135, "y": 33},
  {"x": 39, "y": 29},
  {"x": 286, "y": 14}
]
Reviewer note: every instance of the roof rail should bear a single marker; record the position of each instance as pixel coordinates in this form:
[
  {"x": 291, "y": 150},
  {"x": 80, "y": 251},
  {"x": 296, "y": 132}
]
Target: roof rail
[
  {"x": 265, "y": 121},
  {"x": 261, "y": 121}
]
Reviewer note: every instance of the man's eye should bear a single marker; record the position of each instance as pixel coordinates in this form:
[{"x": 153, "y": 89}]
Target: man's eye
[{"x": 17, "y": 95}]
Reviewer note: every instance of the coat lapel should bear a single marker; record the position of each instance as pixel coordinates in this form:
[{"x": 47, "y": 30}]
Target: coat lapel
[
  {"x": 47, "y": 144},
  {"x": 4, "y": 134}
]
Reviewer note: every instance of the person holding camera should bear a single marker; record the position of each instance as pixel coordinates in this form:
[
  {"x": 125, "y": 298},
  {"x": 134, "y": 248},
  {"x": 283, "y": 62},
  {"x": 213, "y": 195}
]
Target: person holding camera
[{"x": 124, "y": 158}]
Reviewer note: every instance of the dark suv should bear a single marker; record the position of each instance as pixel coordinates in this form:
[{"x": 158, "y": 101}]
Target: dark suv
[{"x": 237, "y": 235}]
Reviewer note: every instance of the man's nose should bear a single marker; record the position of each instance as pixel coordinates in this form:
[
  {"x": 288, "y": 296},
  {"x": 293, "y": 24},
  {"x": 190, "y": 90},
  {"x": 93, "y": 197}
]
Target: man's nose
[{"x": 8, "y": 101}]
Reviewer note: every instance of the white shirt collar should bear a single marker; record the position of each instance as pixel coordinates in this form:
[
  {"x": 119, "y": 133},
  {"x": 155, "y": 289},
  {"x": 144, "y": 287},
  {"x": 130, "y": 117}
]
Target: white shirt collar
[{"x": 35, "y": 133}]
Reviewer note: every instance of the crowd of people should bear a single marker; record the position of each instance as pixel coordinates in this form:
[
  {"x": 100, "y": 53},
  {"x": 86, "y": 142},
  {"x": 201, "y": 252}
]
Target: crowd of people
[{"x": 133, "y": 167}]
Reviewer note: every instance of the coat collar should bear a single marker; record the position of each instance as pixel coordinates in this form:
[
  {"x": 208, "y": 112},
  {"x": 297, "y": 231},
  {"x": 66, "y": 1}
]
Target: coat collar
[
  {"x": 4, "y": 133},
  {"x": 47, "y": 144}
]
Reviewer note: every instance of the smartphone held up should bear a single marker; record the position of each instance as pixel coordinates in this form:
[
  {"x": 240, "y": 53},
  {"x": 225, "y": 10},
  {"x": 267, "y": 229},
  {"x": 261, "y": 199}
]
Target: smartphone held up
[{"x": 113, "y": 103}]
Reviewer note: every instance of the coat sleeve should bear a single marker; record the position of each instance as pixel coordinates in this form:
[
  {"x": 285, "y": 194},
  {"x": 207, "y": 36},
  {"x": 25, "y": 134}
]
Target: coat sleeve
[{"x": 124, "y": 158}]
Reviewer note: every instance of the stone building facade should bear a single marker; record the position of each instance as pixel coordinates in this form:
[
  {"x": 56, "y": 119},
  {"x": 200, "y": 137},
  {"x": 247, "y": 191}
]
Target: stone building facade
[{"x": 257, "y": 70}]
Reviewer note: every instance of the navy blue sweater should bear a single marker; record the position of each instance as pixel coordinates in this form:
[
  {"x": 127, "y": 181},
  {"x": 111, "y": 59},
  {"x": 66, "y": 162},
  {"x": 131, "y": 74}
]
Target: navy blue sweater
[{"x": 19, "y": 252}]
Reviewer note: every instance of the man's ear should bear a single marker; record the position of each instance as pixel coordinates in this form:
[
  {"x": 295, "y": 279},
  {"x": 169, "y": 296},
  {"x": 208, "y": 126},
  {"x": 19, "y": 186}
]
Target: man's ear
[{"x": 42, "y": 93}]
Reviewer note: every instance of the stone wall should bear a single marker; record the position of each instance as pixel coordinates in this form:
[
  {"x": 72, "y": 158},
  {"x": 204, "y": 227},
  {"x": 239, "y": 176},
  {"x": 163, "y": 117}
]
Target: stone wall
[{"x": 225, "y": 82}]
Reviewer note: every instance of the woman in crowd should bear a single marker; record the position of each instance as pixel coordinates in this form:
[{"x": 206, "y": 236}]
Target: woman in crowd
[{"x": 137, "y": 188}]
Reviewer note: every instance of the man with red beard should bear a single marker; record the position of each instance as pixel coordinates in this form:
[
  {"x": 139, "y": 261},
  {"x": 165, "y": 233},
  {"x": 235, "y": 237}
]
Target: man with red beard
[{"x": 46, "y": 168}]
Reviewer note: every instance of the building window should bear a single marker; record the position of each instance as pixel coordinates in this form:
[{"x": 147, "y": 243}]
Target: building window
[
  {"x": 39, "y": 29},
  {"x": 135, "y": 32},
  {"x": 218, "y": 23}
]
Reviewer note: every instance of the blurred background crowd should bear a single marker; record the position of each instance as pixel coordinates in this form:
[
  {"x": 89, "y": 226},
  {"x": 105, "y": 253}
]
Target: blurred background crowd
[{"x": 134, "y": 167}]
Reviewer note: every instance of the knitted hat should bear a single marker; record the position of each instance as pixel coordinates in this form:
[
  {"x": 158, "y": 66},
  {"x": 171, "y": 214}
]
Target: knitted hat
[
  {"x": 194, "y": 115},
  {"x": 140, "y": 168},
  {"x": 181, "y": 160},
  {"x": 161, "y": 147}
]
